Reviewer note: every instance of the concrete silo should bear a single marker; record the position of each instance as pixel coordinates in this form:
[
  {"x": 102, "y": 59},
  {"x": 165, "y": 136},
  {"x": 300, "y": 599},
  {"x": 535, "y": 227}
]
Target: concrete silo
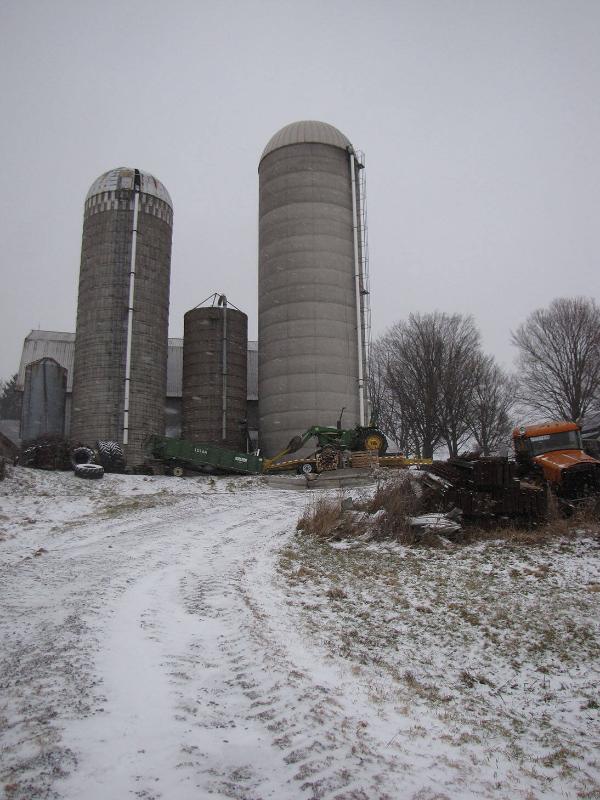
[
  {"x": 312, "y": 288},
  {"x": 215, "y": 365},
  {"x": 120, "y": 362}
]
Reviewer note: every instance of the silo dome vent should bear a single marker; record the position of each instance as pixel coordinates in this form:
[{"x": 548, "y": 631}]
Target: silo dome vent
[
  {"x": 124, "y": 178},
  {"x": 306, "y": 131}
]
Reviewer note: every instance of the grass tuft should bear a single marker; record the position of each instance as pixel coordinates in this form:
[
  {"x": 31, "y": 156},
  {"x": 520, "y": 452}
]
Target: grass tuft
[{"x": 326, "y": 519}]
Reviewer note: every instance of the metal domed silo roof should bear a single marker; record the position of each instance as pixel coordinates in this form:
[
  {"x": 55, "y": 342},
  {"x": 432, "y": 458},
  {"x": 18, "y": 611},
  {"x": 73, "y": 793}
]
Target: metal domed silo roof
[
  {"x": 306, "y": 131},
  {"x": 123, "y": 178}
]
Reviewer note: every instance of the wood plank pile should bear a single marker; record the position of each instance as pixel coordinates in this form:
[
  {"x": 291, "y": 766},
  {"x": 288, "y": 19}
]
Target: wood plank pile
[
  {"x": 364, "y": 458},
  {"x": 487, "y": 487}
]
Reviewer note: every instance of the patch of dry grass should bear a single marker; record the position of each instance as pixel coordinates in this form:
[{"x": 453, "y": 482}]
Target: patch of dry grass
[
  {"x": 386, "y": 516},
  {"x": 325, "y": 518},
  {"x": 496, "y": 642}
]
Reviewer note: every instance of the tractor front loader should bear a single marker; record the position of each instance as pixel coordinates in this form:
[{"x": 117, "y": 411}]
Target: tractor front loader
[{"x": 332, "y": 441}]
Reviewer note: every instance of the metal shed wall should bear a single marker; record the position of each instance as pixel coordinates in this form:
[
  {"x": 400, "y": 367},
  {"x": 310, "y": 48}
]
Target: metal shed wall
[{"x": 44, "y": 400}]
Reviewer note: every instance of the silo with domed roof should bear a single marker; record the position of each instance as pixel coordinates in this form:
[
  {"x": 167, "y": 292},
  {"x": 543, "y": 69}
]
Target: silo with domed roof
[
  {"x": 312, "y": 350},
  {"x": 120, "y": 362}
]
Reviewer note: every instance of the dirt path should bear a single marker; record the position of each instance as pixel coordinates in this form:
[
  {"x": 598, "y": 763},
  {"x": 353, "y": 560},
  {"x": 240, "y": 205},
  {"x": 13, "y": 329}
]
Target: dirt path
[{"x": 155, "y": 659}]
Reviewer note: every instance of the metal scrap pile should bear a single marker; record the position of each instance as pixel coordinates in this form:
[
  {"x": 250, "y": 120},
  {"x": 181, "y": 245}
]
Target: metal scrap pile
[{"x": 486, "y": 488}]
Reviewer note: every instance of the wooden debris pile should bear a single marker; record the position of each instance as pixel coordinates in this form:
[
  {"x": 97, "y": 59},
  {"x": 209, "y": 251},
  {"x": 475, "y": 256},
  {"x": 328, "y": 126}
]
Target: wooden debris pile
[{"x": 486, "y": 488}]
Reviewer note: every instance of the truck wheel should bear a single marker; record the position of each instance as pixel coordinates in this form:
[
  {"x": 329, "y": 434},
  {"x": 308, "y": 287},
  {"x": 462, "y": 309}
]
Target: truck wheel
[{"x": 178, "y": 472}]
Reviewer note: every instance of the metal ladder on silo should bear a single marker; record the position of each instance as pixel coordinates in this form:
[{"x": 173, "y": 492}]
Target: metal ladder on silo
[{"x": 364, "y": 260}]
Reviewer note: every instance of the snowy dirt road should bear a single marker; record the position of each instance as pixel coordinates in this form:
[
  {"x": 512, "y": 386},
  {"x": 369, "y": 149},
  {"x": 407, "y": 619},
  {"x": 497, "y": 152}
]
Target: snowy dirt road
[{"x": 168, "y": 638}]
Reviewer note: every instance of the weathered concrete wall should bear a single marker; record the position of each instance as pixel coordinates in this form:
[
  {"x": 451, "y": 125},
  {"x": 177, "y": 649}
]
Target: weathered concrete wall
[
  {"x": 202, "y": 401},
  {"x": 308, "y": 340},
  {"x": 102, "y": 318},
  {"x": 44, "y": 400}
]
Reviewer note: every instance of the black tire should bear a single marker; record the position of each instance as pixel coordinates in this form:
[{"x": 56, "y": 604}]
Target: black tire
[
  {"x": 110, "y": 455},
  {"x": 368, "y": 438},
  {"x": 82, "y": 455},
  {"x": 91, "y": 471}
]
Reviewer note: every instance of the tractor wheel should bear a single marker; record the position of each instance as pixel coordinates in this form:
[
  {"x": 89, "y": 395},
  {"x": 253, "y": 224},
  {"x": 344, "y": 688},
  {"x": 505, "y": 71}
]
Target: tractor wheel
[
  {"x": 82, "y": 455},
  {"x": 110, "y": 455},
  {"x": 92, "y": 471},
  {"x": 372, "y": 439}
]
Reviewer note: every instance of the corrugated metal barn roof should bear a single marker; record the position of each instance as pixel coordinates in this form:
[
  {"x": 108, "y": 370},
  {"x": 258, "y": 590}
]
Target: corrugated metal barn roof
[{"x": 60, "y": 346}]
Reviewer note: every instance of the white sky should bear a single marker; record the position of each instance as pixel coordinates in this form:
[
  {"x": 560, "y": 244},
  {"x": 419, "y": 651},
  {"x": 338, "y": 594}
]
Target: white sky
[{"x": 480, "y": 122}]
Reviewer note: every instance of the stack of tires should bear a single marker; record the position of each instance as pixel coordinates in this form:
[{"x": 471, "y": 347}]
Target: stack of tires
[
  {"x": 107, "y": 457},
  {"x": 84, "y": 466}
]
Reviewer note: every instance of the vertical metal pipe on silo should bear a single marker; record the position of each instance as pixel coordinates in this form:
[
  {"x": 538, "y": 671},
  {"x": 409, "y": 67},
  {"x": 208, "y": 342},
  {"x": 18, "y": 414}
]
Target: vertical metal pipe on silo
[
  {"x": 358, "y": 286},
  {"x": 136, "y": 210},
  {"x": 223, "y": 303}
]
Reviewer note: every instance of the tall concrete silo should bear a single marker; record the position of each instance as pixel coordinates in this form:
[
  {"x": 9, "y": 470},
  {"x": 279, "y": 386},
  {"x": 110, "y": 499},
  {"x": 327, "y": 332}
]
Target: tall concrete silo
[
  {"x": 44, "y": 400},
  {"x": 215, "y": 358},
  {"x": 120, "y": 362},
  {"x": 311, "y": 314}
]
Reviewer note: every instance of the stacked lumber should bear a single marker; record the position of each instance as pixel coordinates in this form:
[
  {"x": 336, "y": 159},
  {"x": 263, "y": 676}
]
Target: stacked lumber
[{"x": 364, "y": 458}]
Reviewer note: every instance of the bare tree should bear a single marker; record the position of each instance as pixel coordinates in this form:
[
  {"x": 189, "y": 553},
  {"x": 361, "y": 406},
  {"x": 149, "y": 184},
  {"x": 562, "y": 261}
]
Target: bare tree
[
  {"x": 385, "y": 407},
  {"x": 493, "y": 400},
  {"x": 424, "y": 380},
  {"x": 10, "y": 399},
  {"x": 461, "y": 354},
  {"x": 559, "y": 358}
]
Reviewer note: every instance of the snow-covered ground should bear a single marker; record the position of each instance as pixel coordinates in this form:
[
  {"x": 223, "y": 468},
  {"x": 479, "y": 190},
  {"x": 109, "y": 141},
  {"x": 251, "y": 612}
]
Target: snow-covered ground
[{"x": 175, "y": 638}]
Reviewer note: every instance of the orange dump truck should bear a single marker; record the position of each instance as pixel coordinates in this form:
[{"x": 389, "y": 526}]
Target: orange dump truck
[{"x": 553, "y": 452}]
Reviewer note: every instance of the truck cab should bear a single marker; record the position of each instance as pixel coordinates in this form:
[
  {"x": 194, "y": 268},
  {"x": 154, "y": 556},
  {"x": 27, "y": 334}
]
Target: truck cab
[{"x": 553, "y": 451}]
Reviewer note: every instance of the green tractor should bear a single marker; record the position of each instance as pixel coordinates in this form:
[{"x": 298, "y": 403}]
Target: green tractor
[{"x": 333, "y": 440}]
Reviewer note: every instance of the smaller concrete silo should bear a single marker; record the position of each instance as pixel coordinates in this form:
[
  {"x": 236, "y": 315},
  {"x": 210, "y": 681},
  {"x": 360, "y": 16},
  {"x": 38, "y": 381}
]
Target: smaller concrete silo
[
  {"x": 215, "y": 345},
  {"x": 44, "y": 399}
]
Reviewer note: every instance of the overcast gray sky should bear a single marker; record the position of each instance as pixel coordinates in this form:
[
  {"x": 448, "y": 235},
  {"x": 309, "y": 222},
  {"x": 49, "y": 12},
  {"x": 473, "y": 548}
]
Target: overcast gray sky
[{"x": 480, "y": 121}]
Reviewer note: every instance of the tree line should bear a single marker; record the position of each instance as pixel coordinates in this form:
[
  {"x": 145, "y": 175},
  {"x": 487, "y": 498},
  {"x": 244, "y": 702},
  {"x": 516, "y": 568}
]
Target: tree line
[{"x": 432, "y": 386}]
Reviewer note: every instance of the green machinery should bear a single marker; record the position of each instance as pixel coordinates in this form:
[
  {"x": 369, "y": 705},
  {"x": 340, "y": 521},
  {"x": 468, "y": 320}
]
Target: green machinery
[
  {"x": 332, "y": 440},
  {"x": 174, "y": 455}
]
